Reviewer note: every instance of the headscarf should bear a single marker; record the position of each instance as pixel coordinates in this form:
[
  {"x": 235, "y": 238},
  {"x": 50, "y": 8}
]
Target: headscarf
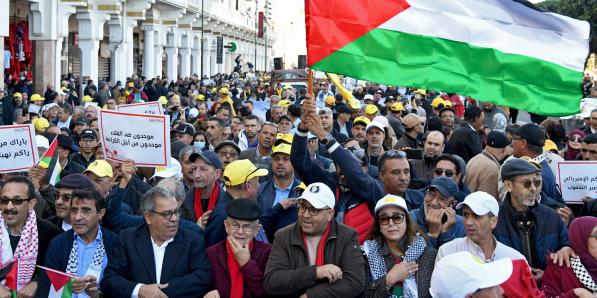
[
  {"x": 571, "y": 154},
  {"x": 580, "y": 230}
]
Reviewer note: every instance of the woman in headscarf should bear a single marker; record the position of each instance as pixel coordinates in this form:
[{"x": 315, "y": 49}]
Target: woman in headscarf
[
  {"x": 579, "y": 279},
  {"x": 398, "y": 262},
  {"x": 573, "y": 144}
]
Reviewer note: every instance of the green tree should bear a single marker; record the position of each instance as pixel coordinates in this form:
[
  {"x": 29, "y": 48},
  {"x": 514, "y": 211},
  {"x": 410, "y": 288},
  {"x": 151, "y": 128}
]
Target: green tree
[{"x": 579, "y": 9}]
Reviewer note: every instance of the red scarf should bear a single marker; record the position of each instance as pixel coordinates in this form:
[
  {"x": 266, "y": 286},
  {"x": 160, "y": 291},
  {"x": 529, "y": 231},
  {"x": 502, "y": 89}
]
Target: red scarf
[
  {"x": 198, "y": 207},
  {"x": 319, "y": 261},
  {"x": 237, "y": 282}
]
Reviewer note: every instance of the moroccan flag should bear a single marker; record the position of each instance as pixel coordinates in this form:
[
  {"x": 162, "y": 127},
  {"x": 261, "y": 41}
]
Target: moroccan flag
[
  {"x": 61, "y": 283},
  {"x": 50, "y": 161},
  {"x": 11, "y": 277},
  {"x": 506, "y": 52}
]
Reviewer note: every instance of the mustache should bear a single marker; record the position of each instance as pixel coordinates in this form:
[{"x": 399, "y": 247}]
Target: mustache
[{"x": 10, "y": 212}]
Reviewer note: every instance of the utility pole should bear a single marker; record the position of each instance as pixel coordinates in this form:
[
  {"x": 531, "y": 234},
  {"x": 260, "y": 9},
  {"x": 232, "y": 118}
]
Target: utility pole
[
  {"x": 202, "y": 48},
  {"x": 256, "y": 32}
]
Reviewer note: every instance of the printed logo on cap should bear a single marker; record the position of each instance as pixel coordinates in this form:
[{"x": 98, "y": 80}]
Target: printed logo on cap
[{"x": 314, "y": 189}]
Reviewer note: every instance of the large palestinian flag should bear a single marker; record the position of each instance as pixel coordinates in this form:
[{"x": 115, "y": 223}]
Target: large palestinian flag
[{"x": 502, "y": 51}]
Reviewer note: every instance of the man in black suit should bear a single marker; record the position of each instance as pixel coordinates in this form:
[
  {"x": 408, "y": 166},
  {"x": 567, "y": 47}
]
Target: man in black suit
[
  {"x": 157, "y": 259},
  {"x": 465, "y": 140}
]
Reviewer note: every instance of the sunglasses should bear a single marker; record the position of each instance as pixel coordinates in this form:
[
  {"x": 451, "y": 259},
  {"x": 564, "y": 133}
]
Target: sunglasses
[
  {"x": 528, "y": 183},
  {"x": 397, "y": 218},
  {"x": 575, "y": 139},
  {"x": 15, "y": 201},
  {"x": 441, "y": 172}
]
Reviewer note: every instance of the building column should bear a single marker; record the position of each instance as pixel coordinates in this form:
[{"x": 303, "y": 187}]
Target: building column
[
  {"x": 206, "y": 56},
  {"x": 196, "y": 64},
  {"x": 158, "y": 50},
  {"x": 118, "y": 49},
  {"x": 185, "y": 53},
  {"x": 58, "y": 62},
  {"x": 129, "y": 49},
  {"x": 172, "y": 67},
  {"x": 148, "y": 52},
  {"x": 91, "y": 30}
]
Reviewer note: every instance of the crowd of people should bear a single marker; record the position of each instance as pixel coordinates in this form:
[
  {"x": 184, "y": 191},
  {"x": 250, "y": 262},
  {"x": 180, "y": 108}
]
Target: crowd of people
[{"x": 400, "y": 192}]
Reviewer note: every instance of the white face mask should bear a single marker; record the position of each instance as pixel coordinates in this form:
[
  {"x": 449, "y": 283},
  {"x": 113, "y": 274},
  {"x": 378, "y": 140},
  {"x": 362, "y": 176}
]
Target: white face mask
[{"x": 199, "y": 144}]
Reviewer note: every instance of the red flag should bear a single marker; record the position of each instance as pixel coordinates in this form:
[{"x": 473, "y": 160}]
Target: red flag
[{"x": 11, "y": 277}]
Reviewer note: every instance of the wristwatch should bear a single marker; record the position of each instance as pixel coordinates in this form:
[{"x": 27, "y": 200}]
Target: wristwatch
[{"x": 326, "y": 140}]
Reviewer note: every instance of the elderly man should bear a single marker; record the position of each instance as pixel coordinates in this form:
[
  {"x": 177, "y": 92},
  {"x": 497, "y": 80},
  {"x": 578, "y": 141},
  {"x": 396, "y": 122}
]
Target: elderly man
[
  {"x": 480, "y": 213},
  {"x": 483, "y": 169},
  {"x": 437, "y": 216},
  {"x": 238, "y": 263},
  {"x": 316, "y": 256},
  {"x": 227, "y": 152},
  {"x": 157, "y": 259},
  {"x": 23, "y": 235},
  {"x": 88, "y": 243},
  {"x": 433, "y": 146},
  {"x": 413, "y": 127},
  {"x": 531, "y": 228},
  {"x": 206, "y": 192}
]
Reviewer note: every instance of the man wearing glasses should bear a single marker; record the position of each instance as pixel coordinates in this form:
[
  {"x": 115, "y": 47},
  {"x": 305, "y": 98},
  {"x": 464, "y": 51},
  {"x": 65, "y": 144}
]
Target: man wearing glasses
[
  {"x": 82, "y": 251},
  {"x": 22, "y": 234},
  {"x": 239, "y": 261},
  {"x": 64, "y": 190},
  {"x": 531, "y": 228},
  {"x": 437, "y": 216},
  {"x": 316, "y": 256},
  {"x": 157, "y": 259}
]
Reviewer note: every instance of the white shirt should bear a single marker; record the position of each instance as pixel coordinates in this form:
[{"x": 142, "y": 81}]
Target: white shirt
[
  {"x": 66, "y": 226},
  {"x": 465, "y": 244},
  {"x": 158, "y": 256}
]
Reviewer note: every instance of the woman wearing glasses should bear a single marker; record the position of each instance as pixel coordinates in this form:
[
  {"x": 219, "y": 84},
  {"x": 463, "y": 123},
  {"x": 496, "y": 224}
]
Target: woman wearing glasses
[
  {"x": 578, "y": 280},
  {"x": 398, "y": 262},
  {"x": 573, "y": 145}
]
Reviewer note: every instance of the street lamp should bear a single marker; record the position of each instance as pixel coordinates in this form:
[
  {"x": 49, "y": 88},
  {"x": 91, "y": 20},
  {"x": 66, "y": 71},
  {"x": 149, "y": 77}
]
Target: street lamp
[{"x": 202, "y": 25}]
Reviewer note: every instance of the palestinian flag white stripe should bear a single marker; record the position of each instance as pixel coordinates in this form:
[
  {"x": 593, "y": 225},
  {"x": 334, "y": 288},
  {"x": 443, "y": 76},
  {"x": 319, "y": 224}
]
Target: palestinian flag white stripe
[{"x": 503, "y": 25}]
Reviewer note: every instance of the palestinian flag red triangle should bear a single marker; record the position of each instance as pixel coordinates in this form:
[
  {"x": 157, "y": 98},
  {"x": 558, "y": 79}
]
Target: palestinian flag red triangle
[{"x": 333, "y": 24}]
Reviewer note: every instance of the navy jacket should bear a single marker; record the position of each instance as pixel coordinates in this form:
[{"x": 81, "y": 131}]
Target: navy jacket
[
  {"x": 189, "y": 201},
  {"x": 185, "y": 268},
  {"x": 549, "y": 186},
  {"x": 464, "y": 142},
  {"x": 457, "y": 230},
  {"x": 548, "y": 231},
  {"x": 267, "y": 193},
  {"x": 363, "y": 188},
  {"x": 58, "y": 253}
]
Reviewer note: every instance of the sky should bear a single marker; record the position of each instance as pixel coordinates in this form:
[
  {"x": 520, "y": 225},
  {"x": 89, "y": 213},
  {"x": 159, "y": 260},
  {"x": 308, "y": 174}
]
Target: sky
[{"x": 288, "y": 19}]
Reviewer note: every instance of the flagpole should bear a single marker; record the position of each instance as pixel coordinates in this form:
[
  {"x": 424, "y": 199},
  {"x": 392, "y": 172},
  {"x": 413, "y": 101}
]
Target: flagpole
[{"x": 310, "y": 82}]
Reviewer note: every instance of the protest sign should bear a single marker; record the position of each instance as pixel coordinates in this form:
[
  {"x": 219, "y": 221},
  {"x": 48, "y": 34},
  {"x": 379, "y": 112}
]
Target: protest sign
[
  {"x": 18, "y": 148},
  {"x": 577, "y": 179},
  {"x": 140, "y": 137},
  {"x": 152, "y": 108}
]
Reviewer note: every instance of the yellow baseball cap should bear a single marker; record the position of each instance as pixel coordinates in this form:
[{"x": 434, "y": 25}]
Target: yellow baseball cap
[
  {"x": 36, "y": 97},
  {"x": 284, "y": 138},
  {"x": 63, "y": 88},
  {"x": 241, "y": 171},
  {"x": 397, "y": 107},
  {"x": 130, "y": 84},
  {"x": 162, "y": 99},
  {"x": 371, "y": 109},
  {"x": 361, "y": 119},
  {"x": 41, "y": 124},
  {"x": 214, "y": 90},
  {"x": 100, "y": 168},
  {"x": 87, "y": 98},
  {"x": 284, "y": 103},
  {"x": 550, "y": 146},
  {"x": 281, "y": 148},
  {"x": 421, "y": 91},
  {"x": 437, "y": 101},
  {"x": 330, "y": 100},
  {"x": 200, "y": 97},
  {"x": 447, "y": 104},
  {"x": 17, "y": 94},
  {"x": 224, "y": 90}
]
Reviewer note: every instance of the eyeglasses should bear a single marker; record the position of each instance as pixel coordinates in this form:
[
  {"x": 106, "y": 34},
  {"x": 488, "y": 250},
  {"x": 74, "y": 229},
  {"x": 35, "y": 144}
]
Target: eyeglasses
[
  {"x": 433, "y": 193},
  {"x": 167, "y": 215},
  {"x": 575, "y": 139},
  {"x": 593, "y": 236},
  {"x": 238, "y": 227},
  {"x": 397, "y": 218},
  {"x": 231, "y": 154},
  {"x": 528, "y": 183},
  {"x": 588, "y": 151},
  {"x": 302, "y": 208},
  {"x": 65, "y": 197},
  {"x": 15, "y": 201},
  {"x": 440, "y": 172}
]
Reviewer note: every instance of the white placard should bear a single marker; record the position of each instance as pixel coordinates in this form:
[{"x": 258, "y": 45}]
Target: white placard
[
  {"x": 577, "y": 179},
  {"x": 152, "y": 108},
  {"x": 18, "y": 148},
  {"x": 140, "y": 137}
]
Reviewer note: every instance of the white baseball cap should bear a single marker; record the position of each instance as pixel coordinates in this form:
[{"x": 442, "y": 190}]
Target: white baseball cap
[
  {"x": 390, "y": 200},
  {"x": 42, "y": 142},
  {"x": 368, "y": 96},
  {"x": 382, "y": 119},
  {"x": 319, "y": 195},
  {"x": 459, "y": 274},
  {"x": 481, "y": 203},
  {"x": 375, "y": 124},
  {"x": 174, "y": 170},
  {"x": 193, "y": 113}
]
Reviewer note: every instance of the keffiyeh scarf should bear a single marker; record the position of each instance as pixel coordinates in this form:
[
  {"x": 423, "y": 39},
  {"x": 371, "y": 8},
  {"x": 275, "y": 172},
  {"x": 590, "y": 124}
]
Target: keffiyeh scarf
[
  {"x": 372, "y": 249},
  {"x": 583, "y": 275},
  {"x": 26, "y": 251},
  {"x": 96, "y": 261}
]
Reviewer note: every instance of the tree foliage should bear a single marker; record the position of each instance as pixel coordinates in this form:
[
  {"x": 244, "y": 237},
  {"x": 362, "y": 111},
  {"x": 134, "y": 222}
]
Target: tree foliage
[{"x": 579, "y": 9}]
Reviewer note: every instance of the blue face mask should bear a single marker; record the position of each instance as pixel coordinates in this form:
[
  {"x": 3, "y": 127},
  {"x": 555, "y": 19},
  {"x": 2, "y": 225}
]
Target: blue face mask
[{"x": 199, "y": 145}]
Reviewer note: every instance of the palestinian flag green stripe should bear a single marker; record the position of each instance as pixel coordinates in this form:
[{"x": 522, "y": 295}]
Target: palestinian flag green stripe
[{"x": 486, "y": 74}]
